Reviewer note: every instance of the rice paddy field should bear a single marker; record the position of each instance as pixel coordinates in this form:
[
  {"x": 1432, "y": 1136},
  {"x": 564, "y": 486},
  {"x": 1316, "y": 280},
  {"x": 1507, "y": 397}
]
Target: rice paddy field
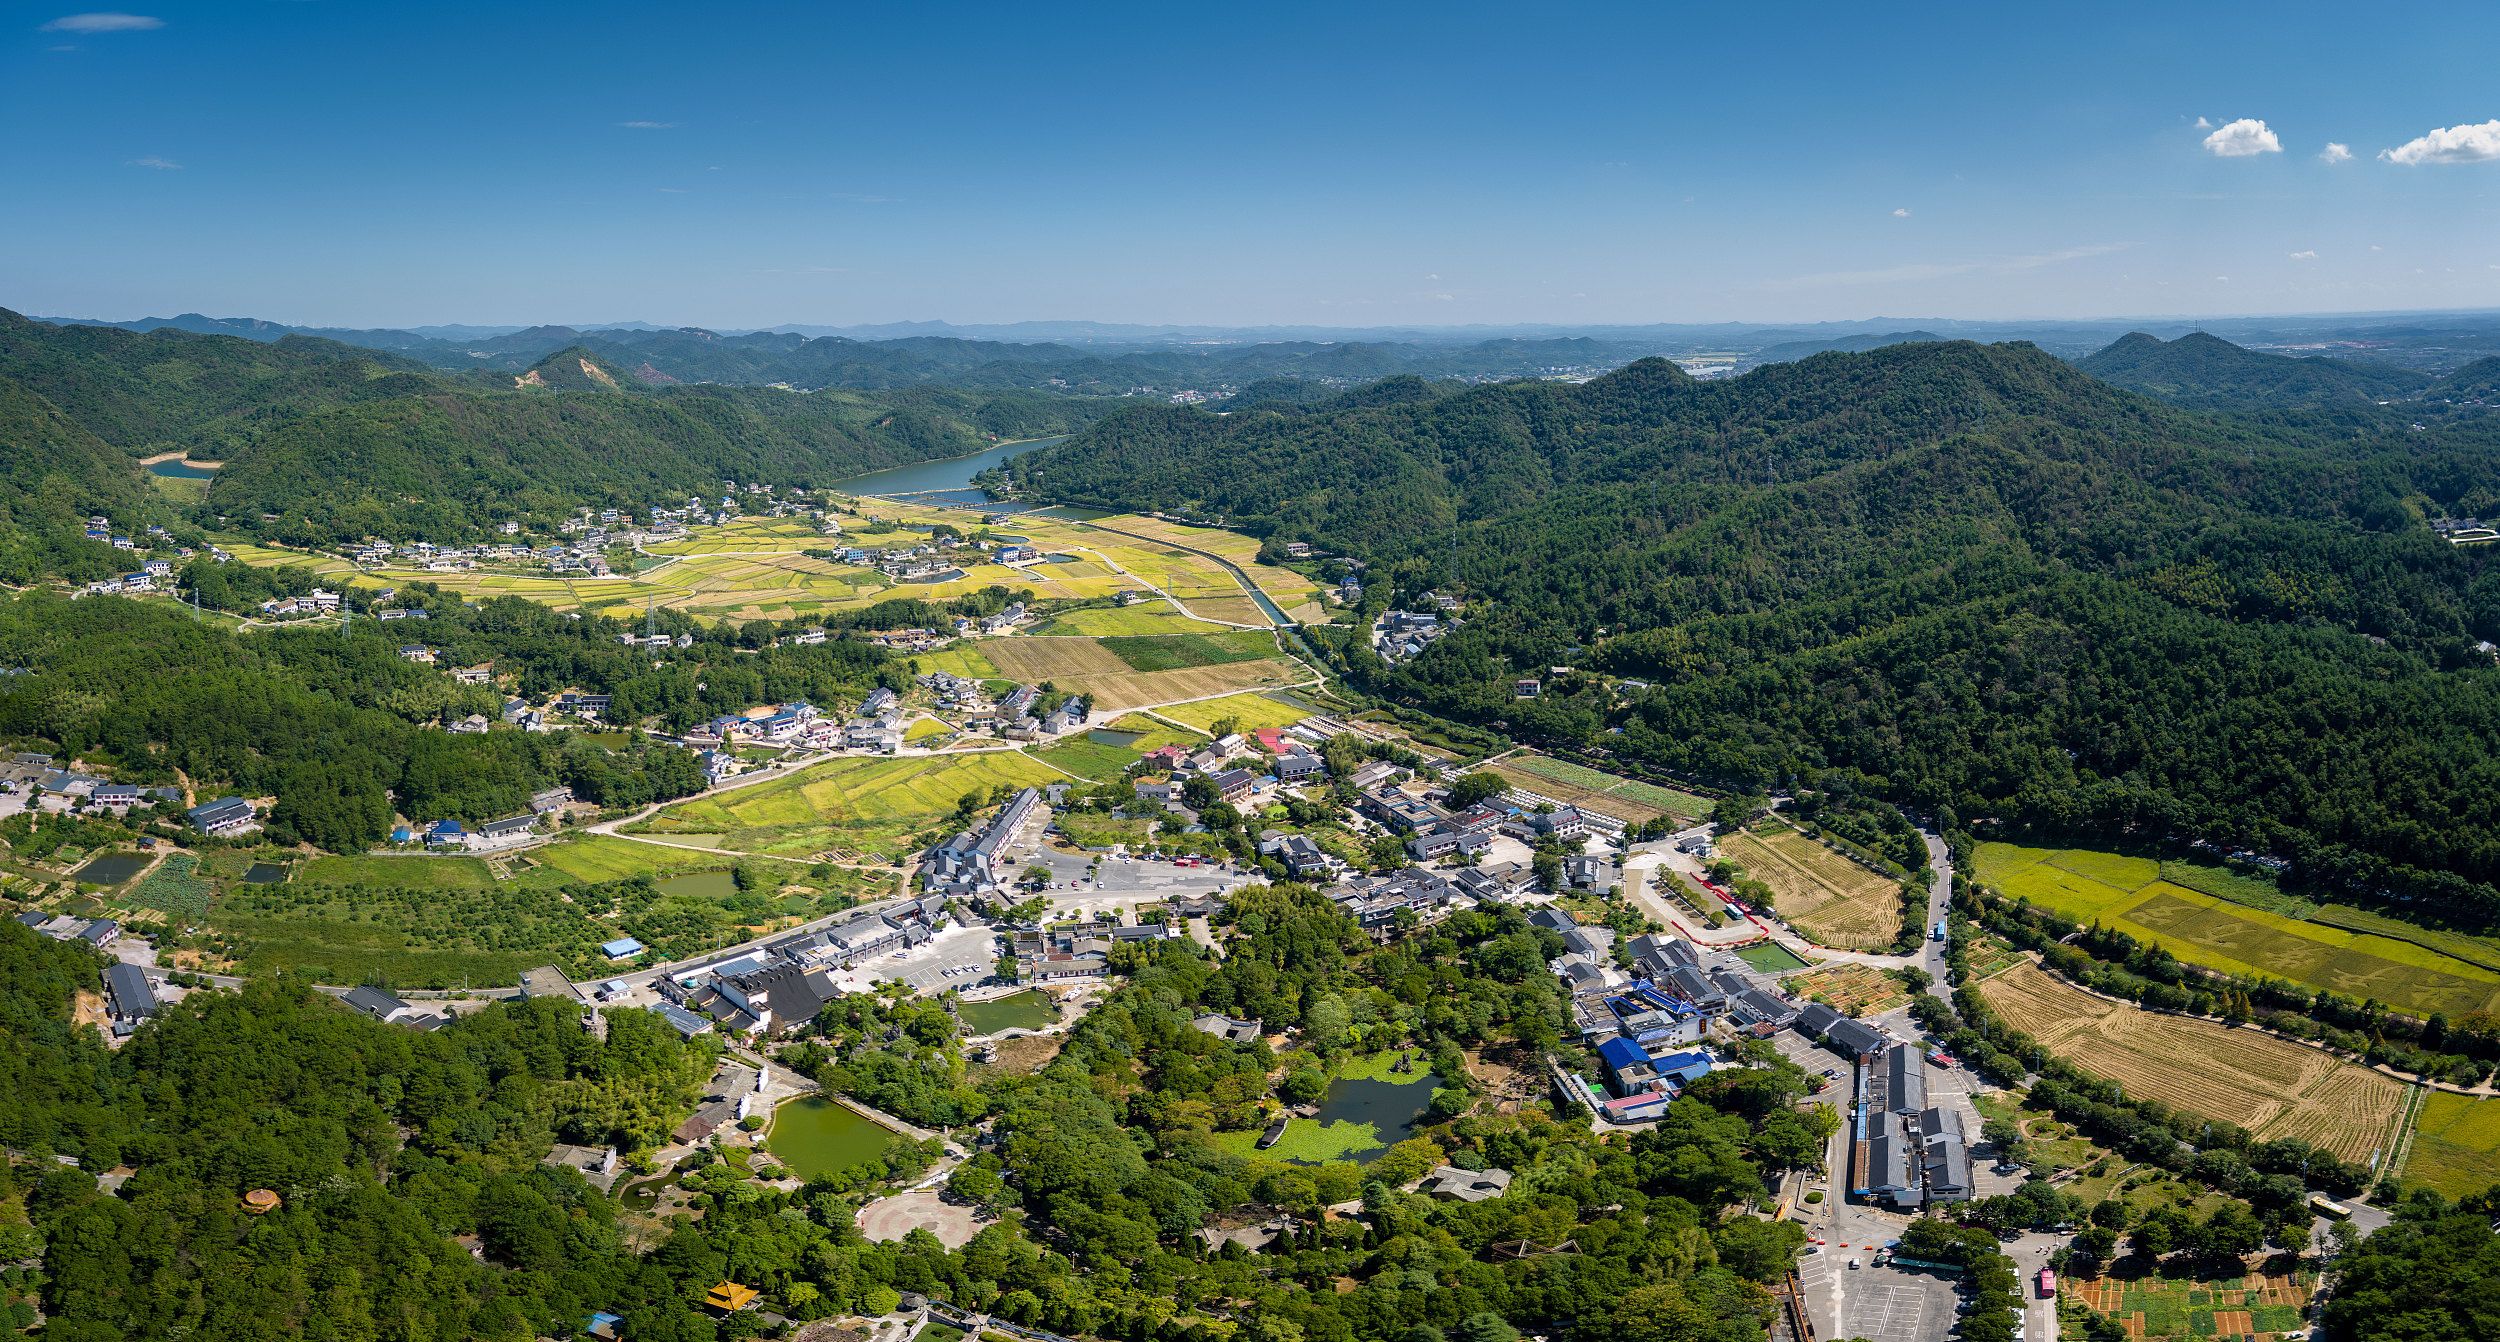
[
  {"x": 850, "y": 807},
  {"x": 2456, "y": 1145},
  {"x": 1625, "y": 799},
  {"x": 2270, "y": 1086},
  {"x": 1249, "y": 712},
  {"x": 2347, "y": 951},
  {"x": 1821, "y": 893}
]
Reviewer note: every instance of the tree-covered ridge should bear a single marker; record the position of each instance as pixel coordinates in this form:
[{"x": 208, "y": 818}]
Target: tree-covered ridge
[
  {"x": 2211, "y": 373},
  {"x": 324, "y": 442},
  {"x": 1961, "y": 576}
]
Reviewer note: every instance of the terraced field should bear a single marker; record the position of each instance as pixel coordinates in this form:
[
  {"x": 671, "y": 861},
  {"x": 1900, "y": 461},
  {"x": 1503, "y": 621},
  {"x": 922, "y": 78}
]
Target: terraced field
[
  {"x": 869, "y": 808},
  {"x": 1821, "y": 893},
  {"x": 2269, "y": 1086},
  {"x": 2130, "y": 894}
]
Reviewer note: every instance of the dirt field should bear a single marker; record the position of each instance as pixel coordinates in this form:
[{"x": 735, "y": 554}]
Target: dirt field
[
  {"x": 2269, "y": 1086},
  {"x": 1821, "y": 893},
  {"x": 1034, "y": 660},
  {"x": 889, "y": 1219}
]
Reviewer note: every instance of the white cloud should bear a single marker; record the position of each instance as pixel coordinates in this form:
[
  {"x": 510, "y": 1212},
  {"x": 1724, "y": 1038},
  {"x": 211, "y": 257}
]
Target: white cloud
[
  {"x": 102, "y": 23},
  {"x": 2222, "y": 279},
  {"x": 1902, "y": 213},
  {"x": 2310, "y": 255},
  {"x": 2244, "y": 138},
  {"x": 160, "y": 164},
  {"x": 2335, "y": 153},
  {"x": 2449, "y": 144},
  {"x": 648, "y": 125},
  {"x": 2203, "y": 124},
  {"x": 2376, "y": 248}
]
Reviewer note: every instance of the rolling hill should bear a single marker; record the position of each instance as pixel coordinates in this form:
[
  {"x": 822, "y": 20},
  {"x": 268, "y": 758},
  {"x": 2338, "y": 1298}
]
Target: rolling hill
[
  {"x": 325, "y": 442},
  {"x": 2211, "y": 373},
  {"x": 1959, "y": 575}
]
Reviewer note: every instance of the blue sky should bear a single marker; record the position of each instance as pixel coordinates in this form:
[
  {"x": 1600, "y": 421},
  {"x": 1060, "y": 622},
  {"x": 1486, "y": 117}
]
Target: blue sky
[{"x": 739, "y": 164}]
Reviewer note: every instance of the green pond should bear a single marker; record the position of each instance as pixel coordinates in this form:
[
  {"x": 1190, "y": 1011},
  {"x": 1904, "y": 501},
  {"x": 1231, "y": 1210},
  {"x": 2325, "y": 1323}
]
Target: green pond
[
  {"x": 701, "y": 885},
  {"x": 1771, "y": 957},
  {"x": 1027, "y": 1010},
  {"x": 183, "y": 470},
  {"x": 264, "y": 873},
  {"x": 110, "y": 869},
  {"x": 816, "y": 1136},
  {"x": 1107, "y": 736}
]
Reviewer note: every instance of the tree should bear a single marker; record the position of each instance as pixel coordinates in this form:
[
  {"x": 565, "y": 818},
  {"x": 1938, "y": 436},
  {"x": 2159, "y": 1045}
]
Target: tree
[{"x": 1481, "y": 786}]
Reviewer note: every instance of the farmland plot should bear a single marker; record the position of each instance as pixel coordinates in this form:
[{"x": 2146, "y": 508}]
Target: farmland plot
[
  {"x": 2272, "y": 1087},
  {"x": 1822, "y": 893}
]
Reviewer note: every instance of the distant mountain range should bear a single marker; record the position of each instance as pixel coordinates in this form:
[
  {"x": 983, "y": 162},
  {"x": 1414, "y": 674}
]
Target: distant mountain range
[{"x": 2211, "y": 373}]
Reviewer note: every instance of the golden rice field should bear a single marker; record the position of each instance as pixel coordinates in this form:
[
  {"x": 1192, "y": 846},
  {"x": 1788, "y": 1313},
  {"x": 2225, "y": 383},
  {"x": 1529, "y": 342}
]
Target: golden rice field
[
  {"x": 2129, "y": 894},
  {"x": 2456, "y": 1145},
  {"x": 1821, "y": 893},
  {"x": 849, "y": 806},
  {"x": 2270, "y": 1086},
  {"x": 1250, "y": 712}
]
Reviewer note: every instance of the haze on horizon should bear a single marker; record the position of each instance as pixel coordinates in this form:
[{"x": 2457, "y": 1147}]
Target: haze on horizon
[{"x": 762, "y": 165}]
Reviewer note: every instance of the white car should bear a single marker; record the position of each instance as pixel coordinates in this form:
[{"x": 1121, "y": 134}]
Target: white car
[{"x": 1854, "y": 1264}]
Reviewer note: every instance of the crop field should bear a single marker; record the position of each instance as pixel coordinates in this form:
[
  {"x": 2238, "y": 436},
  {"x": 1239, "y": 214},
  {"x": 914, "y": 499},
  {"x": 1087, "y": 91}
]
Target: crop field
[
  {"x": 598, "y": 857},
  {"x": 1144, "y": 619},
  {"x": 2272, "y": 1087},
  {"x": 1855, "y": 990},
  {"x": 1821, "y": 893},
  {"x": 1059, "y": 660},
  {"x": 1144, "y": 689},
  {"x": 2232, "y": 1309},
  {"x": 411, "y": 872},
  {"x": 872, "y": 807},
  {"x": 2456, "y": 1145},
  {"x": 1093, "y": 761},
  {"x": 1180, "y": 651},
  {"x": 964, "y": 659},
  {"x": 1250, "y": 711},
  {"x": 1282, "y": 585},
  {"x": 2325, "y": 951},
  {"x": 1623, "y": 798}
]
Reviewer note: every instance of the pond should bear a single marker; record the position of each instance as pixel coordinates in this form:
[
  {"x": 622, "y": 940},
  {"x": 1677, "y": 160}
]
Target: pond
[
  {"x": 110, "y": 869},
  {"x": 265, "y": 873},
  {"x": 701, "y": 885},
  {"x": 1027, "y": 1010},
  {"x": 1359, "y": 1118},
  {"x": 1111, "y": 736},
  {"x": 183, "y": 470},
  {"x": 816, "y": 1136},
  {"x": 952, "y": 476},
  {"x": 1771, "y": 957}
]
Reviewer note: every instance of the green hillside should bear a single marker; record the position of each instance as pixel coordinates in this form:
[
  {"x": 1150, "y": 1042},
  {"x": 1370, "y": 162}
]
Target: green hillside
[
  {"x": 323, "y": 442},
  {"x": 2212, "y": 373},
  {"x": 1959, "y": 575}
]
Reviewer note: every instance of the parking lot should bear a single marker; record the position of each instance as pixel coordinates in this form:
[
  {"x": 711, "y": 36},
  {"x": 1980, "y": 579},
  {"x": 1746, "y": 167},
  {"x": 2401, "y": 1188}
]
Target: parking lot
[
  {"x": 933, "y": 966},
  {"x": 1124, "y": 883},
  {"x": 1880, "y": 1304}
]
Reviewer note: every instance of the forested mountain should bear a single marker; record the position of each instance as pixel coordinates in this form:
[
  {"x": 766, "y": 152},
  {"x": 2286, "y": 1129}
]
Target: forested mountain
[
  {"x": 53, "y": 474},
  {"x": 2211, "y": 373},
  {"x": 2479, "y": 381},
  {"x": 1960, "y": 575},
  {"x": 323, "y": 442}
]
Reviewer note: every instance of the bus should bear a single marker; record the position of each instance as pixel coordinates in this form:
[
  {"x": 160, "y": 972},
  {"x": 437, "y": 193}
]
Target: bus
[
  {"x": 2329, "y": 1207},
  {"x": 1936, "y": 933},
  {"x": 2048, "y": 1284}
]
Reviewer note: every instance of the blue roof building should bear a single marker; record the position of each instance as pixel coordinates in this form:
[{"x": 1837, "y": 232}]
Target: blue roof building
[
  {"x": 1683, "y": 1068},
  {"x": 445, "y": 832},
  {"x": 620, "y": 948},
  {"x": 1628, "y": 1066}
]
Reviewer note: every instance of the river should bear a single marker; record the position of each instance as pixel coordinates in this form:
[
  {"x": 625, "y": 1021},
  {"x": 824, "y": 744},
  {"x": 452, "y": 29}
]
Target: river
[{"x": 949, "y": 479}]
